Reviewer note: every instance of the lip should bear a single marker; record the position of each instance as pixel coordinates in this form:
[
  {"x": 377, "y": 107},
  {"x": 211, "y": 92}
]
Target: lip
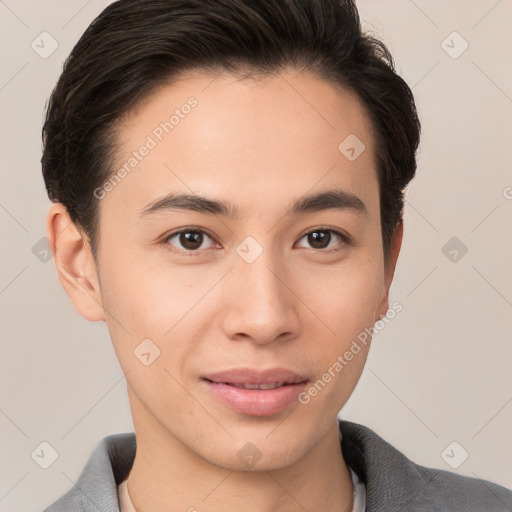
[
  {"x": 256, "y": 376},
  {"x": 255, "y": 402}
]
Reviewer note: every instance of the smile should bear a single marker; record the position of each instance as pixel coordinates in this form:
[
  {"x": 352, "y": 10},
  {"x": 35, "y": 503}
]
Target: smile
[{"x": 255, "y": 392}]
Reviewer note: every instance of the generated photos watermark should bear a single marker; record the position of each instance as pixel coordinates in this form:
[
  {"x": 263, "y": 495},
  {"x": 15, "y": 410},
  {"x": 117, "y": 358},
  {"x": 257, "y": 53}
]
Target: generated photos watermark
[
  {"x": 152, "y": 140},
  {"x": 343, "y": 360}
]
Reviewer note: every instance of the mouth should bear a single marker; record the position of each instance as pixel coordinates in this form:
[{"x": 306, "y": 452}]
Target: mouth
[
  {"x": 254, "y": 385},
  {"x": 256, "y": 392}
]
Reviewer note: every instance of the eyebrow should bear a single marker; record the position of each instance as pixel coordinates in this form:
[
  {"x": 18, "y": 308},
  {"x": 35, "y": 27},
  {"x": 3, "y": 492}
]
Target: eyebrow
[{"x": 331, "y": 199}]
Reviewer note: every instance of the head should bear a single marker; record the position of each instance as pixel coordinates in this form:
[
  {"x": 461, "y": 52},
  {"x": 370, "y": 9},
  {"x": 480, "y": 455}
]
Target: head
[{"x": 245, "y": 107}]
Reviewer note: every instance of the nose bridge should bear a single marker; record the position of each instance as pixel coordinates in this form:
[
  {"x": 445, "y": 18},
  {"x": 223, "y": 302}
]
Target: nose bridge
[
  {"x": 258, "y": 270},
  {"x": 262, "y": 306}
]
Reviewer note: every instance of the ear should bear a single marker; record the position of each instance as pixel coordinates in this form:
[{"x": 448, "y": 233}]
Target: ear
[
  {"x": 389, "y": 268},
  {"x": 75, "y": 264}
]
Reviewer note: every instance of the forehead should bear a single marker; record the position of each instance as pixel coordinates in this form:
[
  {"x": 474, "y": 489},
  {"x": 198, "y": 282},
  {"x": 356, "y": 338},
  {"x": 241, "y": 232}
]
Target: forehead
[{"x": 219, "y": 134}]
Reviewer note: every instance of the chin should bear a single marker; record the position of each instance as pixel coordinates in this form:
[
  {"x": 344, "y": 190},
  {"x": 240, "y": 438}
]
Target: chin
[{"x": 259, "y": 454}]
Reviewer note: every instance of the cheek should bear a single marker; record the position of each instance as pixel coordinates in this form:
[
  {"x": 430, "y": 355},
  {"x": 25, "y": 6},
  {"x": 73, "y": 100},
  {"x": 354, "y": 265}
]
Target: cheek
[
  {"x": 163, "y": 313},
  {"x": 148, "y": 325},
  {"x": 346, "y": 304},
  {"x": 139, "y": 310},
  {"x": 346, "y": 298},
  {"x": 147, "y": 301},
  {"x": 347, "y": 308}
]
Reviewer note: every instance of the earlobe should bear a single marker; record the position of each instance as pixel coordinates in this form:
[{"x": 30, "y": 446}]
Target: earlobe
[{"x": 75, "y": 264}]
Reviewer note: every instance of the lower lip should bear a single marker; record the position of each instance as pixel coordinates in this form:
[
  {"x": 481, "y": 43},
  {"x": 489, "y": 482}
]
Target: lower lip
[{"x": 256, "y": 402}]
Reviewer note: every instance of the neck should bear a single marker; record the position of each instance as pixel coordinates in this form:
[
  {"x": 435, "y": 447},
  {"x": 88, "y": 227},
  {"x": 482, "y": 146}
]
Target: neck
[{"x": 166, "y": 475}]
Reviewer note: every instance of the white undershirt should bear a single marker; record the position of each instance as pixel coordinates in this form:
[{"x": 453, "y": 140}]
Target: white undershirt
[
  {"x": 125, "y": 504},
  {"x": 359, "y": 493}
]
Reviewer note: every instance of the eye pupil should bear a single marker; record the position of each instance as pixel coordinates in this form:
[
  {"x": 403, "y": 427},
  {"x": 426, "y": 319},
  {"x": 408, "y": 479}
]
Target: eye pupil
[
  {"x": 191, "y": 239},
  {"x": 319, "y": 236}
]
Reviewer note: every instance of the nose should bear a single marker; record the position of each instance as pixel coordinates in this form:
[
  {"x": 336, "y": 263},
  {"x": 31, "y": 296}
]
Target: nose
[{"x": 261, "y": 305}]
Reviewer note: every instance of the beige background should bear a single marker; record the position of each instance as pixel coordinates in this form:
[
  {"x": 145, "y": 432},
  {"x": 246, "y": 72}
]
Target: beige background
[{"x": 439, "y": 372}]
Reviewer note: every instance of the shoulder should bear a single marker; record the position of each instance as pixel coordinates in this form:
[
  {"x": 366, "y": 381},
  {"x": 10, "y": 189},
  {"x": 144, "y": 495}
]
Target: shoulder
[
  {"x": 96, "y": 487},
  {"x": 395, "y": 483}
]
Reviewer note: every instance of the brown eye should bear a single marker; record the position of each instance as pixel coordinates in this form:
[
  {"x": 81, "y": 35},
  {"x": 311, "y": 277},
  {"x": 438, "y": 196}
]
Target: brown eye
[
  {"x": 188, "y": 240},
  {"x": 321, "y": 238}
]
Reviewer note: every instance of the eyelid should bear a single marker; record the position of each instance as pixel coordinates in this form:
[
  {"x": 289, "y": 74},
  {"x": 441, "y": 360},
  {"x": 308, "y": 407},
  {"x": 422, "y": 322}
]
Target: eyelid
[
  {"x": 345, "y": 237},
  {"x": 338, "y": 231},
  {"x": 166, "y": 237}
]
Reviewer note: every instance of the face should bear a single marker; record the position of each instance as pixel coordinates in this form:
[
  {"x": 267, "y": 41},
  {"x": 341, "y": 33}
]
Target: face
[{"x": 257, "y": 286}]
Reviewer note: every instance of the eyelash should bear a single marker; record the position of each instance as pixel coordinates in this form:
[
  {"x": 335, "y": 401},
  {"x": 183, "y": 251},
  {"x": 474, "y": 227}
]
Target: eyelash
[{"x": 345, "y": 239}]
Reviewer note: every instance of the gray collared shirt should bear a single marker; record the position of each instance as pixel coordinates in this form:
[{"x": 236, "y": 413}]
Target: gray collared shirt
[{"x": 393, "y": 482}]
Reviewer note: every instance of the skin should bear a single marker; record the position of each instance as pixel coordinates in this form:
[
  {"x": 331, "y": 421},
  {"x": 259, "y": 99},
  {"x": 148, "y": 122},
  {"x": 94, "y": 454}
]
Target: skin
[{"x": 261, "y": 145}]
